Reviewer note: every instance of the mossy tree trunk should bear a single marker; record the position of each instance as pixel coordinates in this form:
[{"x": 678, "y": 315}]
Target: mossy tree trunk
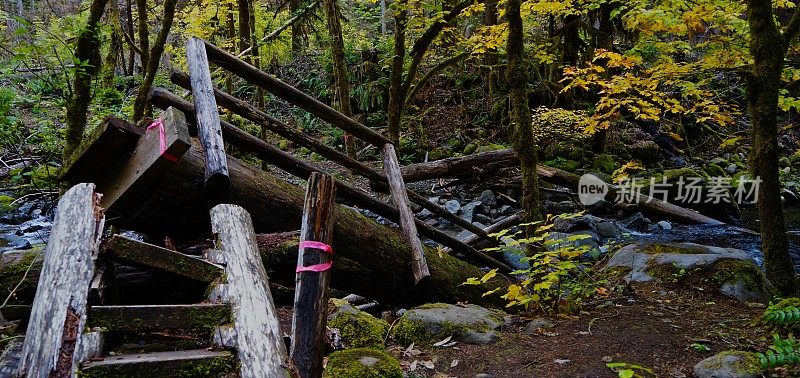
[
  {"x": 768, "y": 47},
  {"x": 111, "y": 59},
  {"x": 144, "y": 34},
  {"x": 298, "y": 35},
  {"x": 154, "y": 56},
  {"x": 88, "y": 54},
  {"x": 524, "y": 145},
  {"x": 396, "y": 79},
  {"x": 340, "y": 68}
]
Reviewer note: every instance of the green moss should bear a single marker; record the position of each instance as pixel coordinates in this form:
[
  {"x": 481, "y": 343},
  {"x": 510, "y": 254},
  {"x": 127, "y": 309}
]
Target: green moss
[
  {"x": 491, "y": 147},
  {"x": 563, "y": 164},
  {"x": 735, "y": 270},
  {"x": 360, "y": 329},
  {"x": 666, "y": 272},
  {"x": 407, "y": 331},
  {"x": 673, "y": 175},
  {"x": 362, "y": 363},
  {"x": 748, "y": 362},
  {"x": 714, "y": 170},
  {"x": 470, "y": 148},
  {"x": 604, "y": 163},
  {"x": 655, "y": 249},
  {"x": 429, "y": 306}
]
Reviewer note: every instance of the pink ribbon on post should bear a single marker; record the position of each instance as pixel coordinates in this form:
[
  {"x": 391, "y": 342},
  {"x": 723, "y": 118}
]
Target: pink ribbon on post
[
  {"x": 318, "y": 267},
  {"x": 162, "y": 139}
]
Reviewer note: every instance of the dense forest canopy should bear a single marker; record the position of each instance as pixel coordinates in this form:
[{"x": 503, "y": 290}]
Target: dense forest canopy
[{"x": 631, "y": 94}]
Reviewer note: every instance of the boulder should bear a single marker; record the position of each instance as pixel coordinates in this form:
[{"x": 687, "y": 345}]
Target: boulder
[
  {"x": 536, "y": 324},
  {"x": 732, "y": 271},
  {"x": 362, "y": 362},
  {"x": 488, "y": 198},
  {"x": 357, "y": 328},
  {"x": 430, "y": 323},
  {"x": 731, "y": 364},
  {"x": 468, "y": 211},
  {"x": 452, "y": 206}
]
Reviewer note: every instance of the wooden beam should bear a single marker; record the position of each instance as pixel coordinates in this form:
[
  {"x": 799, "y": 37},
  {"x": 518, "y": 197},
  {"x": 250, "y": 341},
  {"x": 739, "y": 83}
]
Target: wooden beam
[
  {"x": 260, "y": 346},
  {"x": 112, "y": 137},
  {"x": 311, "y": 287},
  {"x": 182, "y": 363},
  {"x": 398, "y": 189},
  {"x": 258, "y": 116},
  {"x": 158, "y": 317},
  {"x": 208, "y": 126},
  {"x": 146, "y": 164},
  {"x": 296, "y": 97},
  {"x": 263, "y": 150},
  {"x": 161, "y": 258},
  {"x": 58, "y": 315}
]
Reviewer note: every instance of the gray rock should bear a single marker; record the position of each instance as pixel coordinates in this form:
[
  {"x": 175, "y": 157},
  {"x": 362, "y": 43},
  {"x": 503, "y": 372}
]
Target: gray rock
[
  {"x": 636, "y": 222},
  {"x": 664, "y": 225},
  {"x": 729, "y": 365},
  {"x": 488, "y": 198},
  {"x": 506, "y": 210},
  {"x": 731, "y": 168},
  {"x": 415, "y": 207},
  {"x": 584, "y": 222},
  {"x": 564, "y": 207},
  {"x": 641, "y": 261},
  {"x": 514, "y": 254},
  {"x": 10, "y": 242},
  {"x": 468, "y": 211},
  {"x": 425, "y": 214},
  {"x": 470, "y": 324},
  {"x": 452, "y": 206},
  {"x": 537, "y": 323},
  {"x": 482, "y": 218},
  {"x": 432, "y": 222},
  {"x": 608, "y": 230},
  {"x": 434, "y": 200}
]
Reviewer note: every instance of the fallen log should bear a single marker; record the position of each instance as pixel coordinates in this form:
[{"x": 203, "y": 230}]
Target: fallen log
[{"x": 472, "y": 164}]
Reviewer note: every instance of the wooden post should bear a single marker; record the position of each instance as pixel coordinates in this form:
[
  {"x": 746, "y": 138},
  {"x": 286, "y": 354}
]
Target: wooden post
[
  {"x": 208, "y": 126},
  {"x": 58, "y": 315},
  {"x": 262, "y": 353},
  {"x": 398, "y": 189},
  {"x": 311, "y": 288}
]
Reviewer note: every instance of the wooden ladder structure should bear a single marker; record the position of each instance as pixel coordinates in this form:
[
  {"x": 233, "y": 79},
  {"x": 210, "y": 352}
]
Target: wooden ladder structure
[{"x": 72, "y": 314}]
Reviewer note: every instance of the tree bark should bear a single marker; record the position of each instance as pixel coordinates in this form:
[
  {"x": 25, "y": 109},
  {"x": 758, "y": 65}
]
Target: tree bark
[
  {"x": 131, "y": 32},
  {"x": 88, "y": 54},
  {"x": 768, "y": 47},
  {"x": 244, "y": 27},
  {"x": 396, "y": 97},
  {"x": 524, "y": 144},
  {"x": 340, "y": 69},
  {"x": 144, "y": 34},
  {"x": 111, "y": 59},
  {"x": 298, "y": 37}
]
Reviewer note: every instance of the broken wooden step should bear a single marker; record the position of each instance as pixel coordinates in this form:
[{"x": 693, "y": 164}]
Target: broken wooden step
[
  {"x": 158, "y": 317},
  {"x": 161, "y": 258},
  {"x": 183, "y": 363}
]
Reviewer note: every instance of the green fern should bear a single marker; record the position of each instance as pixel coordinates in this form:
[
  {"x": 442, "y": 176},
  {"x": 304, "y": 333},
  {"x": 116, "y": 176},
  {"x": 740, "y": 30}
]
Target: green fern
[
  {"x": 782, "y": 316},
  {"x": 782, "y": 352}
]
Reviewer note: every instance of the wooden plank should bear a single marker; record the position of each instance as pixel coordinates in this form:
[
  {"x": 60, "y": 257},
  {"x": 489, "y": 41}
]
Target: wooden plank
[
  {"x": 182, "y": 363},
  {"x": 59, "y": 310},
  {"x": 260, "y": 346},
  {"x": 161, "y": 258},
  {"x": 256, "y": 115},
  {"x": 398, "y": 189},
  {"x": 311, "y": 287},
  {"x": 263, "y": 150},
  {"x": 157, "y": 317},
  {"x": 208, "y": 126},
  {"x": 293, "y": 95},
  {"x": 147, "y": 162},
  {"x": 113, "y": 137}
]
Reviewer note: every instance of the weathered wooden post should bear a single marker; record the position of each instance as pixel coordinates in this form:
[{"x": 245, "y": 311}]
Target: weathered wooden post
[
  {"x": 259, "y": 343},
  {"x": 391, "y": 166},
  {"x": 314, "y": 261},
  {"x": 208, "y": 125},
  {"x": 53, "y": 341}
]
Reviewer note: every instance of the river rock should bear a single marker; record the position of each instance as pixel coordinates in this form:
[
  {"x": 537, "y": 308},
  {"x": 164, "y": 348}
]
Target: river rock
[
  {"x": 568, "y": 224},
  {"x": 608, "y": 229},
  {"x": 452, "y": 206},
  {"x": 430, "y": 323},
  {"x": 636, "y": 222},
  {"x": 10, "y": 242},
  {"x": 357, "y": 328},
  {"x": 514, "y": 254},
  {"x": 732, "y": 271},
  {"x": 362, "y": 362},
  {"x": 468, "y": 211},
  {"x": 488, "y": 198},
  {"x": 506, "y": 210},
  {"x": 536, "y": 324},
  {"x": 482, "y": 218},
  {"x": 731, "y": 168},
  {"x": 731, "y": 364}
]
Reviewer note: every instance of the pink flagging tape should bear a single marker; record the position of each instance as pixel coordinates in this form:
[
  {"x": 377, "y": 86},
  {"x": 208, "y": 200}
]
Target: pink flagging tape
[
  {"x": 162, "y": 139},
  {"x": 318, "y": 267}
]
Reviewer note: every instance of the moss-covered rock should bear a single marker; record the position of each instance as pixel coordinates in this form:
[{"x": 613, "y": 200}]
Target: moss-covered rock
[
  {"x": 714, "y": 170},
  {"x": 470, "y": 148},
  {"x": 646, "y": 151},
  {"x": 433, "y": 322},
  {"x": 491, "y": 147},
  {"x": 563, "y": 164},
  {"x": 357, "y": 328},
  {"x": 733, "y": 364},
  {"x": 439, "y": 153},
  {"x": 362, "y": 363},
  {"x": 731, "y": 271},
  {"x": 604, "y": 163}
]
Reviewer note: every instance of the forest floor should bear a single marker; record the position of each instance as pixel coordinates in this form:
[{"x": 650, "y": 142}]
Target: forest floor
[{"x": 656, "y": 326}]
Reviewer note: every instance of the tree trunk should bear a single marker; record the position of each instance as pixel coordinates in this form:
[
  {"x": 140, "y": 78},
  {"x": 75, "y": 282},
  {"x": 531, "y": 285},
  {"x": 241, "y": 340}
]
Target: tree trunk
[
  {"x": 768, "y": 48},
  {"x": 88, "y": 54},
  {"x": 297, "y": 30},
  {"x": 112, "y": 57},
  {"x": 340, "y": 69},
  {"x": 244, "y": 28},
  {"x": 396, "y": 97},
  {"x": 132, "y": 34},
  {"x": 524, "y": 145},
  {"x": 490, "y": 74},
  {"x": 144, "y": 34},
  {"x": 154, "y": 57}
]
